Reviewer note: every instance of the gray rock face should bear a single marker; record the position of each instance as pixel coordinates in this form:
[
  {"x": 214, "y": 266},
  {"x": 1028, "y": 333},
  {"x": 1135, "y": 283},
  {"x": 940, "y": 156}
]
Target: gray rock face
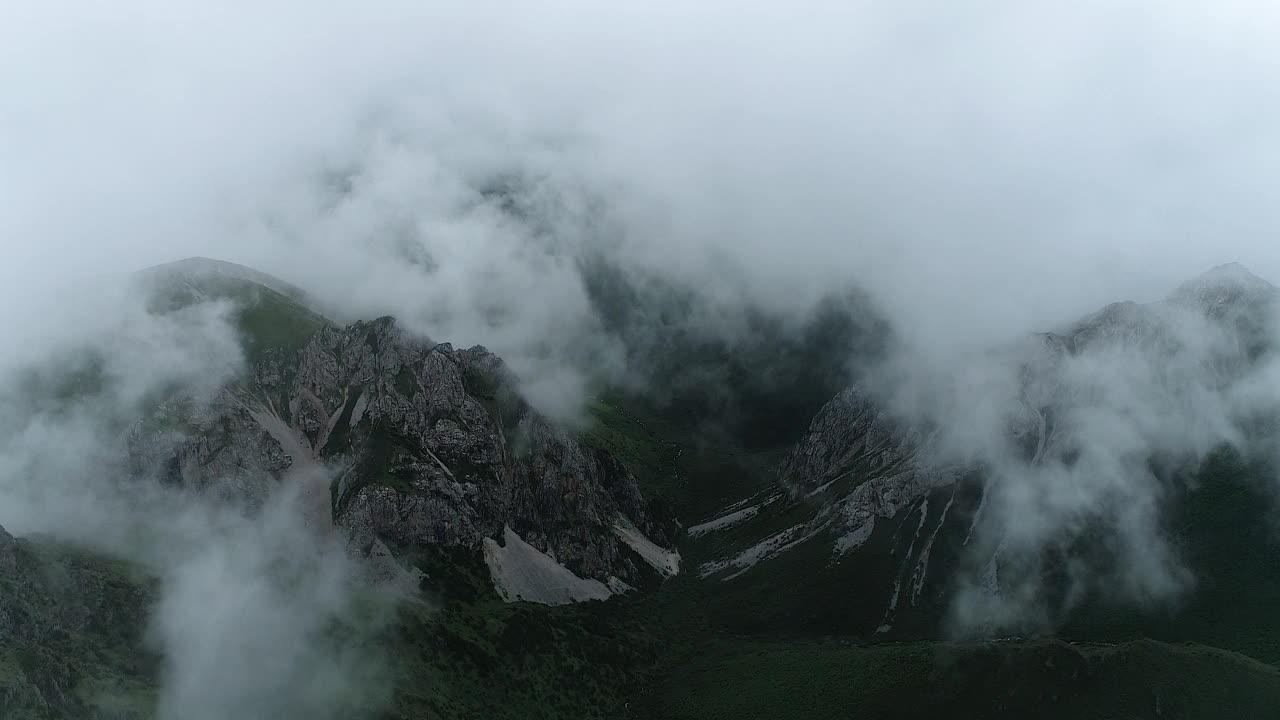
[
  {"x": 862, "y": 462},
  {"x": 1223, "y": 288},
  {"x": 952, "y": 516},
  {"x": 850, "y": 434},
  {"x": 858, "y": 462},
  {"x": 424, "y": 445}
]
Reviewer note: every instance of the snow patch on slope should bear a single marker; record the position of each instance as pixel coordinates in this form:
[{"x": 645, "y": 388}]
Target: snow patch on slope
[
  {"x": 890, "y": 613},
  {"x": 922, "y": 567},
  {"x": 664, "y": 561},
  {"x": 854, "y": 539},
  {"x": 730, "y": 519},
  {"x": 734, "y": 506},
  {"x": 775, "y": 544},
  {"x": 522, "y": 572}
]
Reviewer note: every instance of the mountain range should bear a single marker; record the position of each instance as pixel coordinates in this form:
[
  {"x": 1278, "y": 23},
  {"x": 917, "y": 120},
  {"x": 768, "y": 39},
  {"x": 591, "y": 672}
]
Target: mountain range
[{"x": 1077, "y": 523}]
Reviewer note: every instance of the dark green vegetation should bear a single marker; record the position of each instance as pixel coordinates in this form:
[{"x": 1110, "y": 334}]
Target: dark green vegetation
[
  {"x": 746, "y": 679},
  {"x": 72, "y": 634},
  {"x": 747, "y": 377},
  {"x": 691, "y": 473},
  {"x": 494, "y": 660},
  {"x": 1225, "y": 531}
]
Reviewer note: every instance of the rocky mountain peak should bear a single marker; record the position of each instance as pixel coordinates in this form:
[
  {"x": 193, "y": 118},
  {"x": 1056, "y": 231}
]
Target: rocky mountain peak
[
  {"x": 1223, "y": 285},
  {"x": 1228, "y": 274},
  {"x": 411, "y": 444},
  {"x": 859, "y": 467}
]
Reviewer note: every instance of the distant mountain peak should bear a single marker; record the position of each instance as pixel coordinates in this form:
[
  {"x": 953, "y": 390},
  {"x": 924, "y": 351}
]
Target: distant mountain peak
[
  {"x": 1225, "y": 286},
  {"x": 1230, "y": 276},
  {"x": 198, "y": 263},
  {"x": 202, "y": 268}
]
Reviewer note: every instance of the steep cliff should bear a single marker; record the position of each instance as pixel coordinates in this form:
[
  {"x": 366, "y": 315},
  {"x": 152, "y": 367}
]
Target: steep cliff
[
  {"x": 1108, "y": 424},
  {"x": 407, "y": 444}
]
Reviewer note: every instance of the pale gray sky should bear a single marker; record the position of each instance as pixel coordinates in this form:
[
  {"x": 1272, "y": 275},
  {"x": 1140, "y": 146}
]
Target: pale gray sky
[{"x": 980, "y": 166}]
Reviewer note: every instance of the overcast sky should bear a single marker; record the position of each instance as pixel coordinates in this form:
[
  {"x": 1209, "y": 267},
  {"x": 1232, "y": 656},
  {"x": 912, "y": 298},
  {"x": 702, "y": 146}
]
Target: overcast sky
[{"x": 979, "y": 166}]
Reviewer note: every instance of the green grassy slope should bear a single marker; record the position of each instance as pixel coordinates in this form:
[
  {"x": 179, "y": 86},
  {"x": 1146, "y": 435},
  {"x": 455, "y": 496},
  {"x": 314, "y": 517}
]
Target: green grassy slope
[
  {"x": 266, "y": 318},
  {"x": 72, "y": 628},
  {"x": 742, "y": 679}
]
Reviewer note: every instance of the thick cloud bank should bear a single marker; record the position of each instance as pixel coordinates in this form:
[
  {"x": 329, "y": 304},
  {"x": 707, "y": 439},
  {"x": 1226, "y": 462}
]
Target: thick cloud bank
[{"x": 981, "y": 168}]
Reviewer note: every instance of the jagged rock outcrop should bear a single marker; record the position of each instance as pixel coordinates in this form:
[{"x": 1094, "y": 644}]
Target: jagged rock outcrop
[
  {"x": 1052, "y": 392},
  {"x": 862, "y": 463},
  {"x": 419, "y": 444},
  {"x": 1207, "y": 333}
]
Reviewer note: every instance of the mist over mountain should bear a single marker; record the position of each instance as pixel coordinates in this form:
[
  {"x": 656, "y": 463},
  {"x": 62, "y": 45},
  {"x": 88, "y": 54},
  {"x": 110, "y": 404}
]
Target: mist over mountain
[
  {"x": 328, "y": 491},
  {"x": 555, "y": 360}
]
